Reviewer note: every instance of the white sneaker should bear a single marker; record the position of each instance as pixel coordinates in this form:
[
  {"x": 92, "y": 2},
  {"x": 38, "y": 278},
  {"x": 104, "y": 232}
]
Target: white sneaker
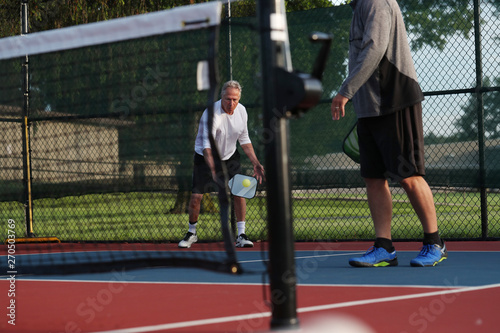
[
  {"x": 243, "y": 241},
  {"x": 188, "y": 240}
]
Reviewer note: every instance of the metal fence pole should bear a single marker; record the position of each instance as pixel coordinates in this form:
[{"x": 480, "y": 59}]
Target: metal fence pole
[
  {"x": 230, "y": 42},
  {"x": 28, "y": 198},
  {"x": 480, "y": 119}
]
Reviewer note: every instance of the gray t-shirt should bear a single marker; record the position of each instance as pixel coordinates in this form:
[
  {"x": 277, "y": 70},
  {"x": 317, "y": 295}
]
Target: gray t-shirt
[{"x": 382, "y": 77}]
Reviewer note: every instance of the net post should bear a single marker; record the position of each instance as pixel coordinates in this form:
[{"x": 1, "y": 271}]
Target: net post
[
  {"x": 275, "y": 54},
  {"x": 28, "y": 199}
]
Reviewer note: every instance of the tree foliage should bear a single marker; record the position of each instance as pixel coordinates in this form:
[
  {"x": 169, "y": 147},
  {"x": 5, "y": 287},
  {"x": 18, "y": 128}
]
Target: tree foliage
[
  {"x": 54, "y": 14},
  {"x": 431, "y": 22},
  {"x": 467, "y": 123}
]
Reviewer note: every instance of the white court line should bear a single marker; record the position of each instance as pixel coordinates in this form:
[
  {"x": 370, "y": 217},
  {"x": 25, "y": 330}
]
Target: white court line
[
  {"x": 331, "y": 255},
  {"x": 194, "y": 323},
  {"x": 304, "y": 257}
]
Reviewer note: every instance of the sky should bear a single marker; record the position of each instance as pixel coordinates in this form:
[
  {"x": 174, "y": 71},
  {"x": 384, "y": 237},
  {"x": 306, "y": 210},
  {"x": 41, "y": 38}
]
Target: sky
[{"x": 454, "y": 68}]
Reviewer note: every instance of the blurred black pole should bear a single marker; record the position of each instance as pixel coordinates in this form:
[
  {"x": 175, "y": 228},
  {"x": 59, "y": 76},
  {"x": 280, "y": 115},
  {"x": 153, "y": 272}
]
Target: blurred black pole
[
  {"x": 275, "y": 54},
  {"x": 480, "y": 119},
  {"x": 28, "y": 199}
]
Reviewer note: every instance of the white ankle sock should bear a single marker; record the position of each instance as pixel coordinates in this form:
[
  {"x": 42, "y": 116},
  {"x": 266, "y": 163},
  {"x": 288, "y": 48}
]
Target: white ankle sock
[
  {"x": 241, "y": 227},
  {"x": 192, "y": 227}
]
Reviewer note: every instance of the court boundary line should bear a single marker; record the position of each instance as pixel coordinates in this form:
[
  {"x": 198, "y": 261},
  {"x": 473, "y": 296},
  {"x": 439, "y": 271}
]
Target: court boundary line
[
  {"x": 201, "y": 322},
  {"x": 305, "y": 257},
  {"x": 416, "y": 286}
]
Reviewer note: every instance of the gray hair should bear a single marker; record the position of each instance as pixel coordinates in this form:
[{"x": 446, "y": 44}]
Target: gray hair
[{"x": 230, "y": 84}]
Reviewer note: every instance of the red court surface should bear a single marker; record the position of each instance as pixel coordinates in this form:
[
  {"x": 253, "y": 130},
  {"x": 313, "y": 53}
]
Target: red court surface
[{"x": 127, "y": 302}]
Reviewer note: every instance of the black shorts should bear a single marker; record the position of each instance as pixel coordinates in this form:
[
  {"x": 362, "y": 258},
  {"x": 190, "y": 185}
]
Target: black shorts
[
  {"x": 202, "y": 176},
  {"x": 392, "y": 146}
]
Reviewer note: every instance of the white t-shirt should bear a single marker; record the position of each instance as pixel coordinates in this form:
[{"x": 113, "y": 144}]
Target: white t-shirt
[{"x": 227, "y": 130}]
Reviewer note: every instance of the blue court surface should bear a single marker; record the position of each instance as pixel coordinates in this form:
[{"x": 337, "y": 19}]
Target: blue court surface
[{"x": 462, "y": 268}]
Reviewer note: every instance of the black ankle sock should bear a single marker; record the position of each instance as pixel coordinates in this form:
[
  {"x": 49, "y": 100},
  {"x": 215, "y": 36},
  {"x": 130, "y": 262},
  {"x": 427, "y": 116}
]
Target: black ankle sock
[
  {"x": 193, "y": 222},
  {"x": 384, "y": 243},
  {"x": 432, "y": 238}
]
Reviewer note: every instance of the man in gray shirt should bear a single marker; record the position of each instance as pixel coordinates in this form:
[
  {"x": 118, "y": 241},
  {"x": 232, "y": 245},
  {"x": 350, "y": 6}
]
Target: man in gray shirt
[{"x": 383, "y": 86}]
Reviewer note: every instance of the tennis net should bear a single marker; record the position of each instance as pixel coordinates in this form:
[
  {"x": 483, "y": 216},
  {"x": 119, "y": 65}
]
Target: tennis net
[{"x": 99, "y": 127}]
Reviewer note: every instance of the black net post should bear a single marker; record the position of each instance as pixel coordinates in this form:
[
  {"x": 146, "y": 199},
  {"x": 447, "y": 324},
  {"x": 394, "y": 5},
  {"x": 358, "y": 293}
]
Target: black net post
[{"x": 274, "y": 53}]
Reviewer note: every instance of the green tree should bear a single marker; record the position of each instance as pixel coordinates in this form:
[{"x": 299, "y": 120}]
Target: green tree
[
  {"x": 467, "y": 123},
  {"x": 54, "y": 14},
  {"x": 430, "y": 22}
]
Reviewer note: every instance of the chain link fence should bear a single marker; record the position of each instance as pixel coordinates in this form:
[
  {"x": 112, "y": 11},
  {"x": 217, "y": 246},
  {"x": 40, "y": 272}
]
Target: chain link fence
[
  {"x": 98, "y": 172},
  {"x": 10, "y": 19}
]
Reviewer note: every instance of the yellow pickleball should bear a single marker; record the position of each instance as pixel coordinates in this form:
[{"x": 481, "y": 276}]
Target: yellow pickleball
[{"x": 246, "y": 183}]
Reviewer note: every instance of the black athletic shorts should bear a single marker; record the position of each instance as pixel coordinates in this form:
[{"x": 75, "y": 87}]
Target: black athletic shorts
[
  {"x": 202, "y": 176},
  {"x": 392, "y": 146}
]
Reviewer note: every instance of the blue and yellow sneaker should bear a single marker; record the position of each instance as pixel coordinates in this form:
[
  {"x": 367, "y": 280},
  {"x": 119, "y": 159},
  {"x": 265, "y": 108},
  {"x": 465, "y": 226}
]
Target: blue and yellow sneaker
[
  {"x": 430, "y": 255},
  {"x": 375, "y": 257}
]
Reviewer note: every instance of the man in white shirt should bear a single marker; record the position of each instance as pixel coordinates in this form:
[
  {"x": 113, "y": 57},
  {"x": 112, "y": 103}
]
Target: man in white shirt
[{"x": 229, "y": 127}]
